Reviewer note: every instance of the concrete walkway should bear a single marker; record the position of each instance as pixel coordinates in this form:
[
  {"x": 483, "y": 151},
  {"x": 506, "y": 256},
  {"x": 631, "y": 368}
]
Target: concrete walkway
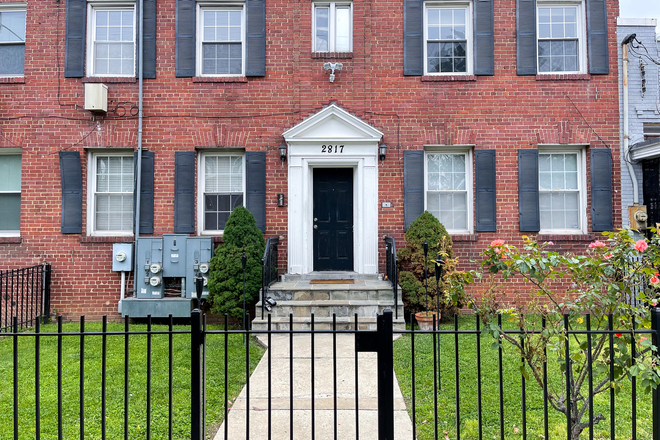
[{"x": 324, "y": 423}]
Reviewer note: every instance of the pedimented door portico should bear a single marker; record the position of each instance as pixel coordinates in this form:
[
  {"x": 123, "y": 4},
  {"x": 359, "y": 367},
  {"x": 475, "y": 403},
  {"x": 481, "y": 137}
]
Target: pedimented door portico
[{"x": 332, "y": 138}]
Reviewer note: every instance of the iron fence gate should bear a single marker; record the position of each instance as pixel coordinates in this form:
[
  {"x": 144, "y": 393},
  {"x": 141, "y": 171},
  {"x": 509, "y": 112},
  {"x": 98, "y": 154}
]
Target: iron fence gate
[
  {"x": 165, "y": 381},
  {"x": 25, "y": 294}
]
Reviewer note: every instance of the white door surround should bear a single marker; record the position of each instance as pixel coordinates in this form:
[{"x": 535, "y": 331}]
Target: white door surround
[{"x": 332, "y": 138}]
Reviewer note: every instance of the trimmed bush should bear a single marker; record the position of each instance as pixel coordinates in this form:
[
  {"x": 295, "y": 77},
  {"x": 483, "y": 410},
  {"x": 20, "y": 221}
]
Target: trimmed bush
[
  {"x": 226, "y": 275},
  {"x": 411, "y": 265}
]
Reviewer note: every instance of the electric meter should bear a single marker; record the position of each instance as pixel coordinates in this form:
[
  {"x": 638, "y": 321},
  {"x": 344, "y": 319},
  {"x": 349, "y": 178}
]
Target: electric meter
[
  {"x": 204, "y": 267},
  {"x": 121, "y": 256},
  {"x": 155, "y": 268},
  {"x": 154, "y": 281}
]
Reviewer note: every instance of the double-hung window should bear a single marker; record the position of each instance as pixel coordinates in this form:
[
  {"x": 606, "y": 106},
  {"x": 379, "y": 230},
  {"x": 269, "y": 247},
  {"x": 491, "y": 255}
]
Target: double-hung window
[
  {"x": 110, "y": 200},
  {"x": 561, "y": 191},
  {"x": 560, "y": 38},
  {"x": 10, "y": 194},
  {"x": 449, "y": 189},
  {"x": 448, "y": 39},
  {"x": 12, "y": 41},
  {"x": 111, "y": 40},
  {"x": 222, "y": 188},
  {"x": 221, "y": 40},
  {"x": 333, "y": 27}
]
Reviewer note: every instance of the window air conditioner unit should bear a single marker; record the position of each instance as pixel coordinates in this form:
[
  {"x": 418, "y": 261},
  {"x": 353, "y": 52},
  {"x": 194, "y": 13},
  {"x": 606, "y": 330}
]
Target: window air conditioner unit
[{"x": 96, "y": 97}]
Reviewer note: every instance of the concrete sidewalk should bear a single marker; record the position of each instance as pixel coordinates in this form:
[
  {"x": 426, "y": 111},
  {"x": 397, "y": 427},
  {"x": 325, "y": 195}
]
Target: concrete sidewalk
[{"x": 324, "y": 423}]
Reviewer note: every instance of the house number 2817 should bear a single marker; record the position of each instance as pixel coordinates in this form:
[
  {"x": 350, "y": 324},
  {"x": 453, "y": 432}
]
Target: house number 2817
[{"x": 332, "y": 148}]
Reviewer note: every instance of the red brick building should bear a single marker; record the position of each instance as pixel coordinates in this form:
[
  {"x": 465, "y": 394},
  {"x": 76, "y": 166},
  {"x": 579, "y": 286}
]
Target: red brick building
[{"x": 501, "y": 118}]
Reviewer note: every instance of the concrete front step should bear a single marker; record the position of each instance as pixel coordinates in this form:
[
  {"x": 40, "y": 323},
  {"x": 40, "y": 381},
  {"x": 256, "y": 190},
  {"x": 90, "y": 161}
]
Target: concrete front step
[
  {"x": 322, "y": 323},
  {"x": 326, "y": 308}
]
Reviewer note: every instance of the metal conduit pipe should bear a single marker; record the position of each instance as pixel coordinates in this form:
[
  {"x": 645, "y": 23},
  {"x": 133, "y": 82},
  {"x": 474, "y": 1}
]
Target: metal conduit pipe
[
  {"x": 626, "y": 137},
  {"x": 138, "y": 183}
]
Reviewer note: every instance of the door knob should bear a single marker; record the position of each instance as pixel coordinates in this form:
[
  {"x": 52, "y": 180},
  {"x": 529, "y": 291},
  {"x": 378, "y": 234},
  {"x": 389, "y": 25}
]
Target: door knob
[
  {"x": 315, "y": 219},
  {"x": 316, "y": 226}
]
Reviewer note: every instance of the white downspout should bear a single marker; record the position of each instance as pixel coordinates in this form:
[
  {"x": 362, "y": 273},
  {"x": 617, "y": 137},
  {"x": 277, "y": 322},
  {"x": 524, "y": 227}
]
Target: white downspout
[{"x": 626, "y": 137}]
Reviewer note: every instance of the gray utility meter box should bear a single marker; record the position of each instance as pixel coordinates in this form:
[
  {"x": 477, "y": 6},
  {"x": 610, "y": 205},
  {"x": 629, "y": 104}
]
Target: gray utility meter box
[
  {"x": 172, "y": 260},
  {"x": 150, "y": 267},
  {"x": 122, "y": 257},
  {"x": 200, "y": 251}
]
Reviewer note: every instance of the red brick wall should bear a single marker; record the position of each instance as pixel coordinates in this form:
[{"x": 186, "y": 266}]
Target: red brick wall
[{"x": 43, "y": 114}]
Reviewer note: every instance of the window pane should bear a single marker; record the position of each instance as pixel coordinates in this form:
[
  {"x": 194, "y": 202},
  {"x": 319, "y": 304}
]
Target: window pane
[
  {"x": 10, "y": 212},
  {"x": 10, "y": 173},
  {"x": 13, "y": 26},
  {"x": 343, "y": 30}
]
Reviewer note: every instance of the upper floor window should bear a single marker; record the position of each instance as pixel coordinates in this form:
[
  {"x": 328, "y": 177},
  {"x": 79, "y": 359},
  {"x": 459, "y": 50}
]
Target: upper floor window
[
  {"x": 333, "y": 27},
  {"x": 10, "y": 194},
  {"x": 110, "y": 201},
  {"x": 560, "y": 38},
  {"x": 222, "y": 188},
  {"x": 221, "y": 40},
  {"x": 12, "y": 41},
  {"x": 111, "y": 40},
  {"x": 448, "y": 36},
  {"x": 561, "y": 191},
  {"x": 449, "y": 189}
]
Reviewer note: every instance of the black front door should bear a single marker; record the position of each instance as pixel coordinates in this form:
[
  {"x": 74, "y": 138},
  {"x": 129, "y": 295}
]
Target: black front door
[{"x": 333, "y": 219}]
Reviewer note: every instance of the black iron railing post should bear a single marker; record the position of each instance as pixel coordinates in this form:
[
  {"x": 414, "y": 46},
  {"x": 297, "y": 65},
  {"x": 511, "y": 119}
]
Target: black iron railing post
[
  {"x": 196, "y": 394},
  {"x": 655, "y": 325}
]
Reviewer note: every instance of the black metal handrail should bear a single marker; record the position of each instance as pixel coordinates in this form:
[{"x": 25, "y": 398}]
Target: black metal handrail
[
  {"x": 25, "y": 294},
  {"x": 269, "y": 271},
  {"x": 391, "y": 270}
]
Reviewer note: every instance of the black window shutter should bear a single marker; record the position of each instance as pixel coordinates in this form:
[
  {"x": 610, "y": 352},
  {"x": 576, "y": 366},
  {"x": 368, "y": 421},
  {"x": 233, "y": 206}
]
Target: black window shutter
[
  {"x": 146, "y": 193},
  {"x": 526, "y": 37},
  {"x": 601, "y": 190},
  {"x": 255, "y": 64},
  {"x": 149, "y": 44},
  {"x": 255, "y": 179},
  {"x": 185, "y": 38},
  {"x": 528, "y": 190},
  {"x": 485, "y": 183},
  {"x": 597, "y": 37},
  {"x": 484, "y": 39},
  {"x": 413, "y": 33},
  {"x": 184, "y": 192},
  {"x": 74, "y": 59},
  {"x": 72, "y": 192},
  {"x": 413, "y": 186}
]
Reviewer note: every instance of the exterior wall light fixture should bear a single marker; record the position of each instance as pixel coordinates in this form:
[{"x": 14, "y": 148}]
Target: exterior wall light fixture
[
  {"x": 382, "y": 151},
  {"x": 282, "y": 149}
]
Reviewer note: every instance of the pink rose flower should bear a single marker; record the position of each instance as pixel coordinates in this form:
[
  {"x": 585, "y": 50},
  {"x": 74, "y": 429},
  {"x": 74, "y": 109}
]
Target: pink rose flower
[
  {"x": 608, "y": 256},
  {"x": 597, "y": 244},
  {"x": 498, "y": 242},
  {"x": 655, "y": 280},
  {"x": 641, "y": 245},
  {"x": 550, "y": 243}
]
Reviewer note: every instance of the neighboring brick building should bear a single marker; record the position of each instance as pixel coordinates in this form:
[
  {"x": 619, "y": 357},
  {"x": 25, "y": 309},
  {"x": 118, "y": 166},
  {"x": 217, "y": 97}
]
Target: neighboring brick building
[{"x": 455, "y": 90}]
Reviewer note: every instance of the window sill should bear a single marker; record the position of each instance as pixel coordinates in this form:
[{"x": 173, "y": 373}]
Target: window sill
[
  {"x": 464, "y": 238},
  {"x": 11, "y": 240},
  {"x": 442, "y": 78},
  {"x": 220, "y": 79},
  {"x": 566, "y": 237},
  {"x": 335, "y": 55},
  {"x": 563, "y": 77},
  {"x": 109, "y": 79},
  {"x": 12, "y": 80},
  {"x": 89, "y": 239}
]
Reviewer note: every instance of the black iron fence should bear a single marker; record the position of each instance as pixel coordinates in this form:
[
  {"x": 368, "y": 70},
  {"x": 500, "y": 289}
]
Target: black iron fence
[
  {"x": 269, "y": 271},
  {"x": 24, "y": 294},
  {"x": 391, "y": 270},
  {"x": 453, "y": 387}
]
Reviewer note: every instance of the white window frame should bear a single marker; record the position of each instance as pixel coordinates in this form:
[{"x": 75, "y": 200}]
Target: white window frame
[
  {"x": 582, "y": 185},
  {"x": 469, "y": 31},
  {"x": 13, "y": 152},
  {"x": 205, "y": 6},
  {"x": 201, "y": 186},
  {"x": 469, "y": 182},
  {"x": 332, "y": 25},
  {"x": 91, "y": 36},
  {"x": 581, "y": 34},
  {"x": 14, "y": 7},
  {"x": 91, "y": 193}
]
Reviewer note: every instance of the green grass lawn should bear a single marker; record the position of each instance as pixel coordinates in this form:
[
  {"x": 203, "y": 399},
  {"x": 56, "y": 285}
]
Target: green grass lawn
[
  {"x": 115, "y": 382},
  {"x": 467, "y": 375}
]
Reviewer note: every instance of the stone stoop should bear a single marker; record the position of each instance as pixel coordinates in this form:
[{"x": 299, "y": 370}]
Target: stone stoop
[{"x": 365, "y": 297}]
